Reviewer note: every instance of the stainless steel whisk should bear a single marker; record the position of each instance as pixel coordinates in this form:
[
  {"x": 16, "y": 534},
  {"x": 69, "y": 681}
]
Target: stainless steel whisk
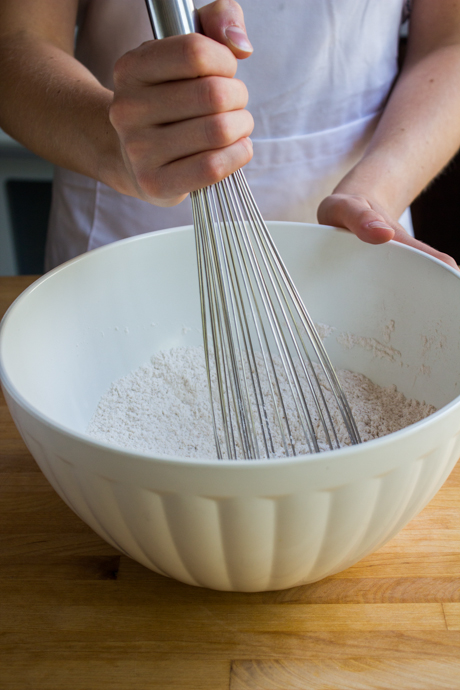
[{"x": 255, "y": 325}]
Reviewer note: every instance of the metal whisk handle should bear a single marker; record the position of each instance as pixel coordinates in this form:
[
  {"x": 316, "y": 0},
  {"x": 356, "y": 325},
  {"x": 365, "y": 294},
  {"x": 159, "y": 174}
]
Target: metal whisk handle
[{"x": 173, "y": 17}]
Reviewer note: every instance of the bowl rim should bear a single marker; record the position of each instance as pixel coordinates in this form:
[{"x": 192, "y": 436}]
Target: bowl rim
[{"x": 310, "y": 458}]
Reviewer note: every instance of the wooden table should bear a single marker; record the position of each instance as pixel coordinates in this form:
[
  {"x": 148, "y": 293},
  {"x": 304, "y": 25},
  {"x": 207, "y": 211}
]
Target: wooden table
[{"x": 76, "y": 614}]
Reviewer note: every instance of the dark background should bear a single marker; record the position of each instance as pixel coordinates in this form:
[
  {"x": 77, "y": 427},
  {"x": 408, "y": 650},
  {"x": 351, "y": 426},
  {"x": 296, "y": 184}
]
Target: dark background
[{"x": 436, "y": 212}]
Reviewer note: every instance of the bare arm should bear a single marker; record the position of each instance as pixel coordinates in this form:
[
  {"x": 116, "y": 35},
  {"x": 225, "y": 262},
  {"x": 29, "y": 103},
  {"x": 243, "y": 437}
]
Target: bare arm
[
  {"x": 138, "y": 139},
  {"x": 417, "y": 135},
  {"x": 49, "y": 101}
]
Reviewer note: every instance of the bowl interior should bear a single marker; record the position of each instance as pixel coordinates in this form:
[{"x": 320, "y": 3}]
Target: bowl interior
[{"x": 394, "y": 315}]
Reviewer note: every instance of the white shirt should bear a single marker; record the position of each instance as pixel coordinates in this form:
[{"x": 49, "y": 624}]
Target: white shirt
[{"x": 318, "y": 81}]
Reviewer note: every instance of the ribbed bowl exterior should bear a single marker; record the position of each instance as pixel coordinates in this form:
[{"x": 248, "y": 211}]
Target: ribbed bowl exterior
[
  {"x": 240, "y": 527},
  {"x": 246, "y": 525}
]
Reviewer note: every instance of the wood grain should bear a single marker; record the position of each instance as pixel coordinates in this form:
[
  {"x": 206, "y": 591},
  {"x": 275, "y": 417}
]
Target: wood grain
[
  {"x": 358, "y": 673},
  {"x": 76, "y": 614}
]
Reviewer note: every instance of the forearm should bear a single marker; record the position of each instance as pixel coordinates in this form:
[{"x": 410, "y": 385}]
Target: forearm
[
  {"x": 418, "y": 133},
  {"x": 54, "y": 106},
  {"x": 176, "y": 121}
]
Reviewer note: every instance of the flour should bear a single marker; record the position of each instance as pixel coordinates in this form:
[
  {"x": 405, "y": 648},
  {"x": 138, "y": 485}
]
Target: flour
[
  {"x": 163, "y": 407},
  {"x": 378, "y": 349},
  {"x": 324, "y": 330}
]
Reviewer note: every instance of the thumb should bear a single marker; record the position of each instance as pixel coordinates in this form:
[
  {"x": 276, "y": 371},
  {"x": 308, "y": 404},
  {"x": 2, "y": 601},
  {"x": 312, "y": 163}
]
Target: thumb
[
  {"x": 223, "y": 21},
  {"x": 357, "y": 215}
]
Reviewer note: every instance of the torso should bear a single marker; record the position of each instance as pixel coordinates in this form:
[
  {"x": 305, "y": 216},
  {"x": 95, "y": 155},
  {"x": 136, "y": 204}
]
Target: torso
[{"x": 318, "y": 80}]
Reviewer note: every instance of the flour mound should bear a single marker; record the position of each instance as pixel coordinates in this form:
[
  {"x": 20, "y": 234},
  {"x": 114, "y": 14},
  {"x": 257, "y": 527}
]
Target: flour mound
[{"x": 163, "y": 407}]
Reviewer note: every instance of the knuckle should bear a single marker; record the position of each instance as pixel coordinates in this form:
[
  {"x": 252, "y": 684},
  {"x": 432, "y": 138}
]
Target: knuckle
[
  {"x": 218, "y": 130},
  {"x": 214, "y": 96},
  {"x": 120, "y": 112},
  {"x": 115, "y": 116},
  {"x": 123, "y": 69},
  {"x": 342, "y": 200},
  {"x": 243, "y": 92},
  {"x": 248, "y": 153},
  {"x": 134, "y": 149},
  {"x": 196, "y": 53},
  {"x": 346, "y": 205},
  {"x": 214, "y": 169},
  {"x": 229, "y": 8},
  {"x": 143, "y": 179},
  {"x": 150, "y": 182},
  {"x": 249, "y": 123}
]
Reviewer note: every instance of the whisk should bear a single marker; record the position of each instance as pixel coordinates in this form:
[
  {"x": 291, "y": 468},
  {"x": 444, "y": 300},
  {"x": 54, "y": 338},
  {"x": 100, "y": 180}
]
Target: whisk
[{"x": 259, "y": 340}]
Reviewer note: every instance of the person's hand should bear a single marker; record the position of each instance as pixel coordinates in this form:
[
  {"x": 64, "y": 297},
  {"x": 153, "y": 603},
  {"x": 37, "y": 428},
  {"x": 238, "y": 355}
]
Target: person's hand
[
  {"x": 179, "y": 113},
  {"x": 370, "y": 222}
]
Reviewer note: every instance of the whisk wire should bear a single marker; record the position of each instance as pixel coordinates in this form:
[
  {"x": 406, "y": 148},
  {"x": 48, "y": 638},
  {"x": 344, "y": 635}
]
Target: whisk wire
[
  {"x": 283, "y": 348},
  {"x": 236, "y": 231},
  {"x": 250, "y": 298},
  {"x": 230, "y": 398},
  {"x": 303, "y": 357},
  {"x": 207, "y": 304},
  {"x": 235, "y": 337},
  {"x": 272, "y": 253},
  {"x": 248, "y": 259},
  {"x": 248, "y": 343},
  {"x": 228, "y": 338}
]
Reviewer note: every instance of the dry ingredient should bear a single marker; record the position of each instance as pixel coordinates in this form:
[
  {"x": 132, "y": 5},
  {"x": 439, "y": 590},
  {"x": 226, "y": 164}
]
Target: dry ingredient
[{"x": 163, "y": 407}]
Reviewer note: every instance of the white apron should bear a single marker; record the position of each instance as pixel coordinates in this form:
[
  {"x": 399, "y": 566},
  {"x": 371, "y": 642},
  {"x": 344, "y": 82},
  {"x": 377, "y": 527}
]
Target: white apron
[{"x": 318, "y": 81}]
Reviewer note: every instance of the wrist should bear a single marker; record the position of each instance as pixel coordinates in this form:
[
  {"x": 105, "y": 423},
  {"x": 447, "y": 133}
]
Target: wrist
[
  {"x": 112, "y": 168},
  {"x": 376, "y": 178}
]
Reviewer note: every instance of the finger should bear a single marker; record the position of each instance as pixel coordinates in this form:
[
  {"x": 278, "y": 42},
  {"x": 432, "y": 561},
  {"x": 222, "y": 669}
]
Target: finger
[
  {"x": 195, "y": 172},
  {"x": 223, "y": 21},
  {"x": 404, "y": 238},
  {"x": 162, "y": 145},
  {"x": 205, "y": 133},
  {"x": 177, "y": 101},
  {"x": 355, "y": 214},
  {"x": 172, "y": 59}
]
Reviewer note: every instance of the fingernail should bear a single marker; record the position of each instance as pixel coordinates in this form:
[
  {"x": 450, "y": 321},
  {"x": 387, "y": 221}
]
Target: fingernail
[
  {"x": 238, "y": 38},
  {"x": 379, "y": 224}
]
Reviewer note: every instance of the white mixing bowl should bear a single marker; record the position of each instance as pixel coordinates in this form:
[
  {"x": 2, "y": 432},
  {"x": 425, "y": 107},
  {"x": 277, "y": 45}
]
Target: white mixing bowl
[{"x": 249, "y": 525}]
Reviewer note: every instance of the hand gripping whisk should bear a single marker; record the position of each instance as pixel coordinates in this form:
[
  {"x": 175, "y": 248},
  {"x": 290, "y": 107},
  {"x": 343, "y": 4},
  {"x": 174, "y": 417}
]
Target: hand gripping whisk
[{"x": 268, "y": 398}]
